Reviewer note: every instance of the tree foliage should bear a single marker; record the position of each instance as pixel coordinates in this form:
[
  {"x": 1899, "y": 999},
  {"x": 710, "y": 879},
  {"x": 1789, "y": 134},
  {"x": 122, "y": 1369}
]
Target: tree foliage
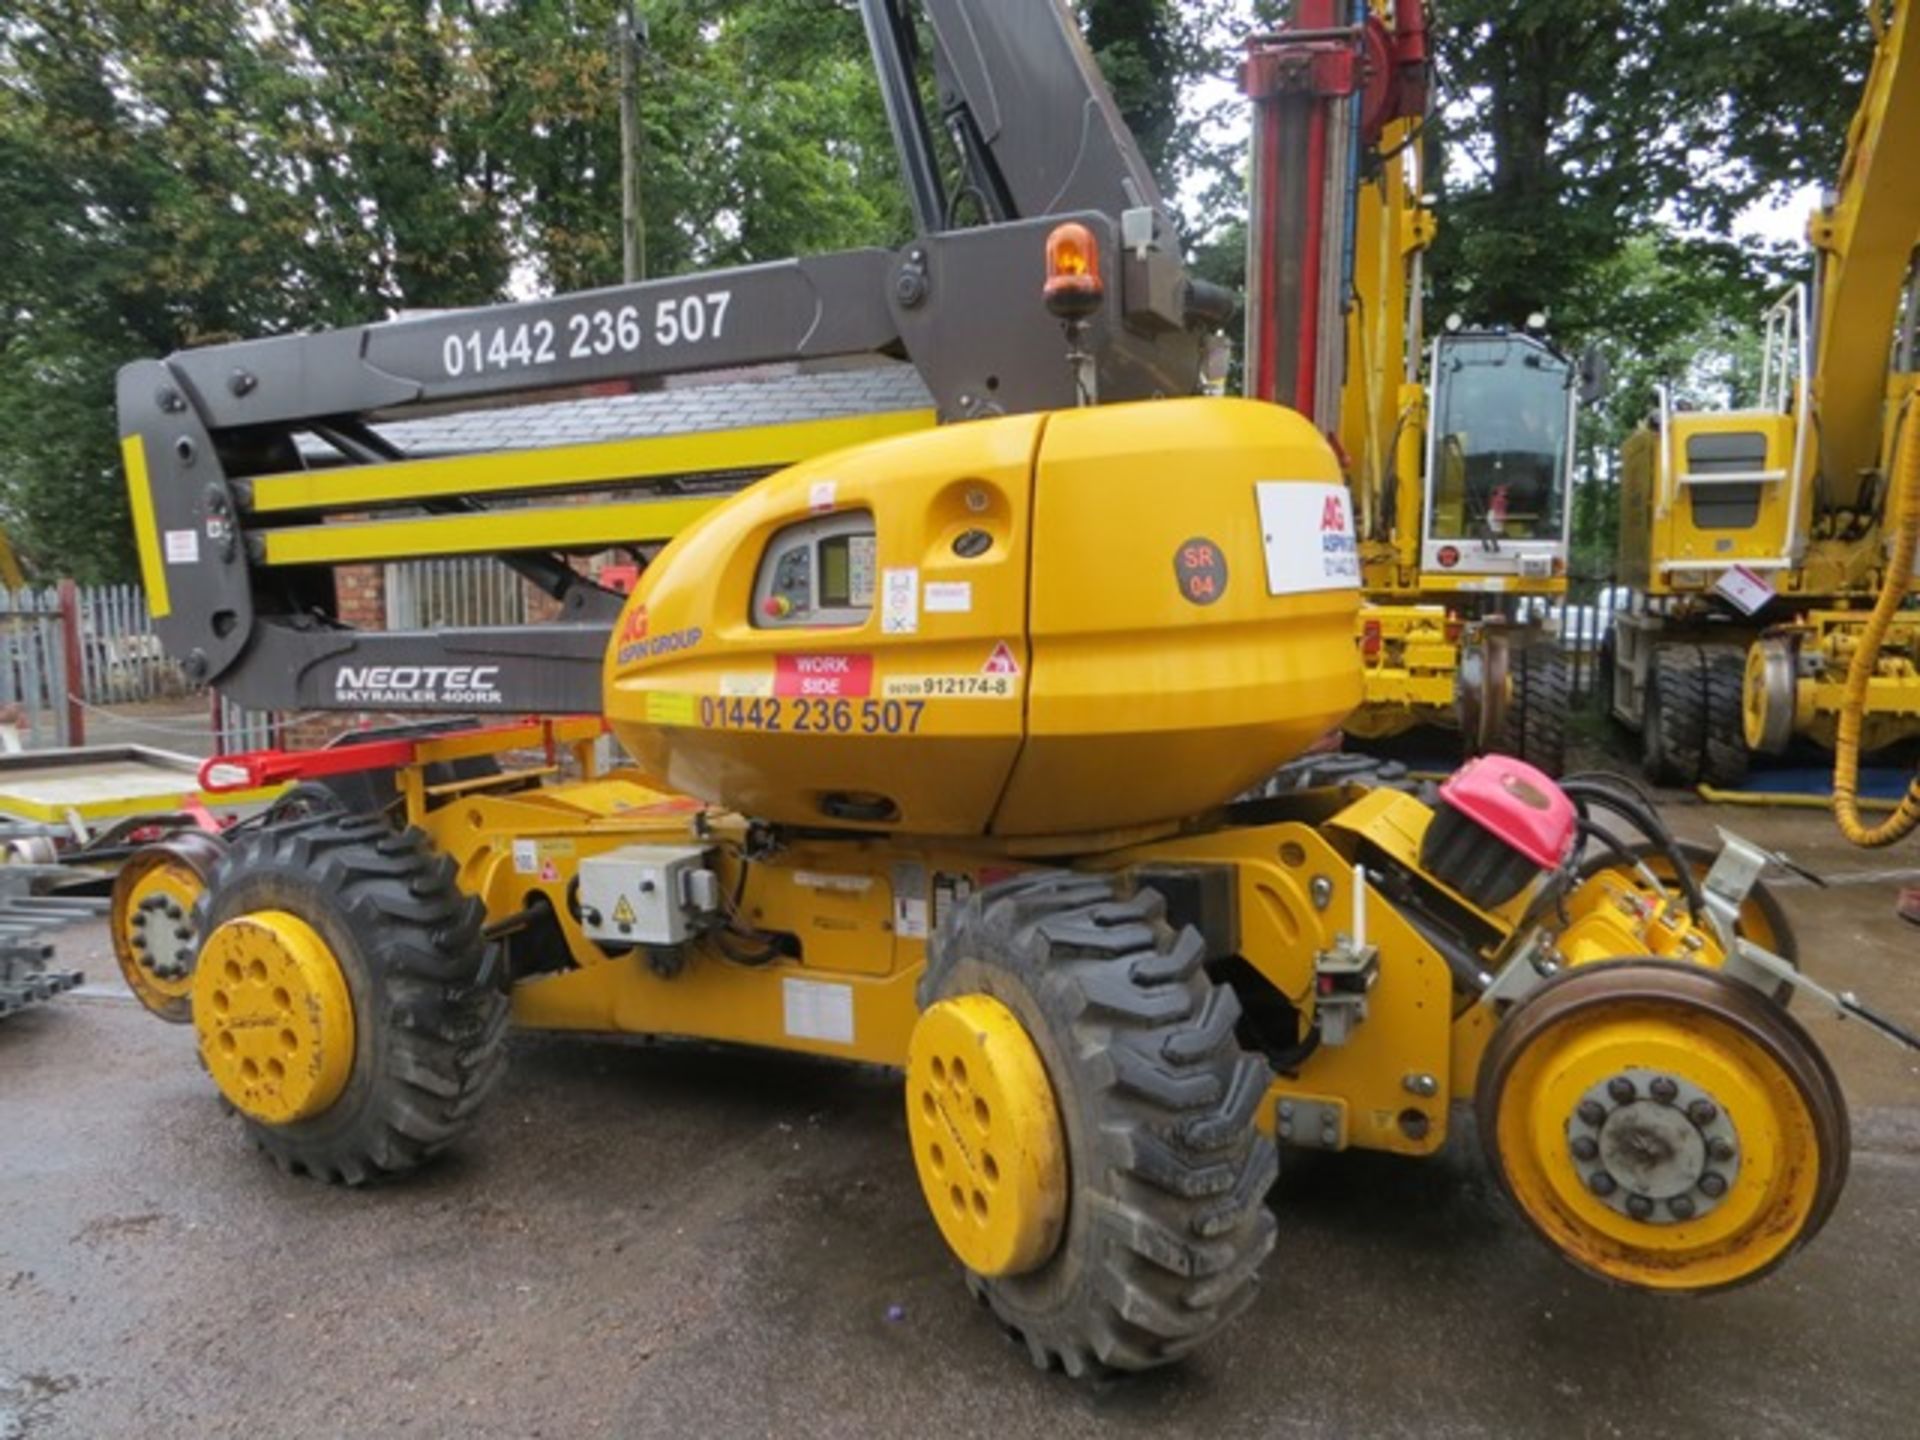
[{"x": 172, "y": 175}]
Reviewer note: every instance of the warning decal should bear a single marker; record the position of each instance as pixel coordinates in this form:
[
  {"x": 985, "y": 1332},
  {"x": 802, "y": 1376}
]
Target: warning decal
[
  {"x": 823, "y": 677},
  {"x": 1001, "y": 662},
  {"x": 1307, "y": 529},
  {"x": 623, "y": 912}
]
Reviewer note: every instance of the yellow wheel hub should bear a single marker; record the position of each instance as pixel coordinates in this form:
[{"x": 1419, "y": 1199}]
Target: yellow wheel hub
[
  {"x": 1658, "y": 1143},
  {"x": 154, "y": 937},
  {"x": 274, "y": 1017},
  {"x": 986, "y": 1135}
]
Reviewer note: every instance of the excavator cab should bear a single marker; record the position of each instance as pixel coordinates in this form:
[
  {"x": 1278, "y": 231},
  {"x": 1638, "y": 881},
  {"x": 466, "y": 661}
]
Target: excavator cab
[{"x": 1499, "y": 456}]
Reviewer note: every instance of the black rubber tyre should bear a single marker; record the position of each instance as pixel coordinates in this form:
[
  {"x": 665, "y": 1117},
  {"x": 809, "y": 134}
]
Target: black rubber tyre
[
  {"x": 430, "y": 1009},
  {"x": 1606, "y": 682},
  {"x": 1674, "y": 737},
  {"x": 1537, "y": 714},
  {"x": 1167, "y": 1222},
  {"x": 1724, "y": 752}
]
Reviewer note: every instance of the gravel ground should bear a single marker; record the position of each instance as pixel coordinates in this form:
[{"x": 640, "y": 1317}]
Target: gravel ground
[{"x": 664, "y": 1240}]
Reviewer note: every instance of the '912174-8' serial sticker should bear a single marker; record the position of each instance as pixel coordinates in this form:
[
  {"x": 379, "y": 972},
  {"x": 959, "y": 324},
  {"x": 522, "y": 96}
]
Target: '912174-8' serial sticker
[{"x": 950, "y": 687}]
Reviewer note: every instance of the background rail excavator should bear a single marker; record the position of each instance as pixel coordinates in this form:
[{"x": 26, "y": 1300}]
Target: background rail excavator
[
  {"x": 937, "y": 745},
  {"x": 1461, "y": 484},
  {"x": 1770, "y": 549}
]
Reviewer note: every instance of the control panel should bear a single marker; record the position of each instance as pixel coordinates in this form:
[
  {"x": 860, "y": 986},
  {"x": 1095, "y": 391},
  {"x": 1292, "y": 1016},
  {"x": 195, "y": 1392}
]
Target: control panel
[{"x": 818, "y": 574}]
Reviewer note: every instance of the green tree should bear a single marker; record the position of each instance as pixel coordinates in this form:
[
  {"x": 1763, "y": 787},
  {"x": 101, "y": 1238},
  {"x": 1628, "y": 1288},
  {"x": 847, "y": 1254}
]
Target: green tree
[
  {"x": 1567, "y": 128},
  {"x": 174, "y": 175}
]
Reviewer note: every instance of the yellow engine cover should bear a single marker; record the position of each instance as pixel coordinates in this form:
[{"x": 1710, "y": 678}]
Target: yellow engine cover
[{"x": 1042, "y": 625}]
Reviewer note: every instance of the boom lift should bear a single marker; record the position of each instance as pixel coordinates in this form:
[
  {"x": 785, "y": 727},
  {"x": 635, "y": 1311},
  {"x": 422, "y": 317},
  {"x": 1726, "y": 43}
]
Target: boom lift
[
  {"x": 936, "y": 741},
  {"x": 1462, "y": 494},
  {"x": 1756, "y": 541}
]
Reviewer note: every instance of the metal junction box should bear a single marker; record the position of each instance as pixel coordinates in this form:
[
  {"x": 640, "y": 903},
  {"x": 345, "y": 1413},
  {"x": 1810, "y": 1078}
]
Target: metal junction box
[{"x": 647, "y": 894}]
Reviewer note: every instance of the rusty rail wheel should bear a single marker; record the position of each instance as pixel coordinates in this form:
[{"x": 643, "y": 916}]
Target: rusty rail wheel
[{"x": 1663, "y": 1126}]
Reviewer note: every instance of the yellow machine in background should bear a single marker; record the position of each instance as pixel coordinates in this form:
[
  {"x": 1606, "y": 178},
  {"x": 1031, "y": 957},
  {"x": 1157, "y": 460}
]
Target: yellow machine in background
[
  {"x": 1757, "y": 541},
  {"x": 1461, "y": 476}
]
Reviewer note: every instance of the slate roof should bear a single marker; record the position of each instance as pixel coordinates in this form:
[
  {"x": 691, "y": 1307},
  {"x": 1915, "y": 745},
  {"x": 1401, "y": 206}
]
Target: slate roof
[{"x": 778, "y": 395}]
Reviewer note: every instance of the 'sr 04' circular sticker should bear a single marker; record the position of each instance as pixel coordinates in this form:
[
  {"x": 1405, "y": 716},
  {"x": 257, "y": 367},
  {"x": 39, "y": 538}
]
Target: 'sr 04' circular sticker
[{"x": 1201, "y": 570}]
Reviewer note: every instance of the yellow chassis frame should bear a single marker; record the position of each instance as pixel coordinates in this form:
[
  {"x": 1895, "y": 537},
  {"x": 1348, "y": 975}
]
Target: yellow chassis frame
[{"x": 863, "y": 909}]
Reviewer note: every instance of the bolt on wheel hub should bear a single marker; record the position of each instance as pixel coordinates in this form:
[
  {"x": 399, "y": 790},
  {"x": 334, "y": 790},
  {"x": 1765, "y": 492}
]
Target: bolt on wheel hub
[
  {"x": 987, "y": 1138},
  {"x": 1654, "y": 1147},
  {"x": 162, "y": 933},
  {"x": 274, "y": 1016}
]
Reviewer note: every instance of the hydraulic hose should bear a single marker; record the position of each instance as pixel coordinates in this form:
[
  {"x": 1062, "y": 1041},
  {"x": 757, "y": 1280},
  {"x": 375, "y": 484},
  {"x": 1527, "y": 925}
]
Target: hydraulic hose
[{"x": 1903, "y": 498}]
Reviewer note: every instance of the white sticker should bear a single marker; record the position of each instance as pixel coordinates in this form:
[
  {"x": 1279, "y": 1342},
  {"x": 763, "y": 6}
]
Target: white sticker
[
  {"x": 900, "y": 602},
  {"x": 1307, "y": 529},
  {"x": 951, "y": 687},
  {"x": 821, "y": 496},
  {"x": 822, "y": 880},
  {"x": 748, "y": 687},
  {"x": 183, "y": 547},
  {"x": 949, "y": 891},
  {"x": 815, "y": 1010},
  {"x": 860, "y": 557},
  {"x": 1491, "y": 584},
  {"x": 1747, "y": 589},
  {"x": 949, "y": 597},
  {"x": 910, "y": 901},
  {"x": 526, "y": 858}
]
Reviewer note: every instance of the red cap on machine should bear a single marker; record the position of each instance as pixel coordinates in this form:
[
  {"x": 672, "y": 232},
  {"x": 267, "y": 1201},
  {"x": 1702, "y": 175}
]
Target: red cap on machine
[{"x": 1517, "y": 804}]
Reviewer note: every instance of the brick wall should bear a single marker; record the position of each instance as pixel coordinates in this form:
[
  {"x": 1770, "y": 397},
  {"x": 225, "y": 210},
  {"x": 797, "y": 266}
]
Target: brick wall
[{"x": 362, "y": 594}]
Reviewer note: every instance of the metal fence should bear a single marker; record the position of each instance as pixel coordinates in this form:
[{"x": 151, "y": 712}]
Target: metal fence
[
  {"x": 33, "y": 667},
  {"x": 121, "y": 658},
  {"x": 68, "y": 649},
  {"x": 448, "y": 594},
  {"x": 236, "y": 728}
]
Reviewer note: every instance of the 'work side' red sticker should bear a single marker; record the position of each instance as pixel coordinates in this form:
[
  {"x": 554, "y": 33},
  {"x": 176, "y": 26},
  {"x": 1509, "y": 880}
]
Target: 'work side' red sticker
[{"x": 823, "y": 677}]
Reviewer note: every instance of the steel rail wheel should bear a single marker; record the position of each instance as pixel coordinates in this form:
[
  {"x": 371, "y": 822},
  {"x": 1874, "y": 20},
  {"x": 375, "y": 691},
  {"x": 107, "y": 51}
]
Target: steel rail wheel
[
  {"x": 1661, "y": 1125},
  {"x": 156, "y": 934},
  {"x": 1083, "y": 1123}
]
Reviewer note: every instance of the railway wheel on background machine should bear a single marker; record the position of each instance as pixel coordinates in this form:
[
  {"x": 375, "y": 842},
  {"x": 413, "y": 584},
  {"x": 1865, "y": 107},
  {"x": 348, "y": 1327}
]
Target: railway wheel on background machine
[
  {"x": 1082, "y": 1122},
  {"x": 1541, "y": 695},
  {"x": 152, "y": 920},
  {"x": 345, "y": 1002},
  {"x": 1662, "y": 1125}
]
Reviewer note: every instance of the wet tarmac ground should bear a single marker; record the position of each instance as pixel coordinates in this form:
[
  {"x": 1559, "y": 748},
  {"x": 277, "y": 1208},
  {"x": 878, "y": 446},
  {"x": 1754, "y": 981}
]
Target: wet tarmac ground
[{"x": 672, "y": 1240}]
